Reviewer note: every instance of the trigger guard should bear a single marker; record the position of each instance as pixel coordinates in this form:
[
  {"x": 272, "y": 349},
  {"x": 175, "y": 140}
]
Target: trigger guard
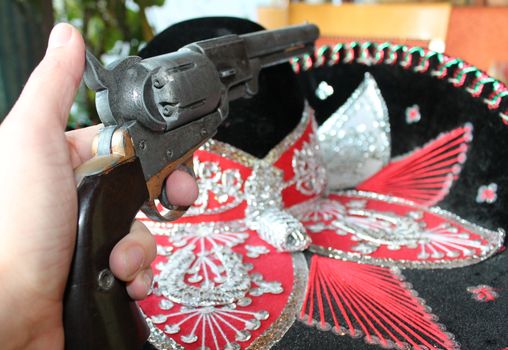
[
  {"x": 163, "y": 198},
  {"x": 175, "y": 212}
]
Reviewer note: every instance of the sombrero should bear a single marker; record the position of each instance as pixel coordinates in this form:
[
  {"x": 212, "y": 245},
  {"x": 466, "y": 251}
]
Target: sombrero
[{"x": 390, "y": 179}]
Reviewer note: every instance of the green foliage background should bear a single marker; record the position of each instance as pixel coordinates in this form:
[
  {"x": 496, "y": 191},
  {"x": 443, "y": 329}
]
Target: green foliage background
[{"x": 112, "y": 28}]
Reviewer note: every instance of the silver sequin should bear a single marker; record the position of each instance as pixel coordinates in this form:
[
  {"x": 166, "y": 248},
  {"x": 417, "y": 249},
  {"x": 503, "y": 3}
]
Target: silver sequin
[
  {"x": 373, "y": 229},
  {"x": 265, "y": 212},
  {"x": 355, "y": 140},
  {"x": 282, "y": 230},
  {"x": 234, "y": 285}
]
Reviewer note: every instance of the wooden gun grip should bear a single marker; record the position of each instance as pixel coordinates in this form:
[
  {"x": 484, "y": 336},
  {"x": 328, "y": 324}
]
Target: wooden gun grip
[{"x": 98, "y": 313}]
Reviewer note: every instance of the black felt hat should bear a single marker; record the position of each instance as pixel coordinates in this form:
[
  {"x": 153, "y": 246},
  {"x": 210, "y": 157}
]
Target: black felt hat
[
  {"x": 400, "y": 122},
  {"x": 428, "y": 96}
]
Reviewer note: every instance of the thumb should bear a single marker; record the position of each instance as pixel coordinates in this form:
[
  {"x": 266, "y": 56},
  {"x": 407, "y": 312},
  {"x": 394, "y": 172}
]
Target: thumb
[{"x": 49, "y": 93}]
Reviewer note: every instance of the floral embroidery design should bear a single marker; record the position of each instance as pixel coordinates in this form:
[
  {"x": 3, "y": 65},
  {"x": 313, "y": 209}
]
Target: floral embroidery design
[
  {"x": 413, "y": 114},
  {"x": 487, "y": 194},
  {"x": 205, "y": 292},
  {"x": 211, "y": 293},
  {"x": 310, "y": 175},
  {"x": 483, "y": 293},
  {"x": 389, "y": 231}
]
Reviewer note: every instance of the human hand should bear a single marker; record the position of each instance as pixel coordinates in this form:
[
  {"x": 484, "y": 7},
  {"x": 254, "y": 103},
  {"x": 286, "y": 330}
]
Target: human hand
[{"x": 38, "y": 202}]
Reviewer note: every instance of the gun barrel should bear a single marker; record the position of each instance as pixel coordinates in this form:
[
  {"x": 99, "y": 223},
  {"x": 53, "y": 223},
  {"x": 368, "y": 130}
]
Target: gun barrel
[
  {"x": 282, "y": 43},
  {"x": 239, "y": 58}
]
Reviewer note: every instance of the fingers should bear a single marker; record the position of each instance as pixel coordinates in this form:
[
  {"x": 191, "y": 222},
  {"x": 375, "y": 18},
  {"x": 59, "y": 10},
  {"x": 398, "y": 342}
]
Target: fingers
[
  {"x": 131, "y": 258},
  {"x": 80, "y": 143},
  {"x": 181, "y": 188},
  {"x": 139, "y": 287}
]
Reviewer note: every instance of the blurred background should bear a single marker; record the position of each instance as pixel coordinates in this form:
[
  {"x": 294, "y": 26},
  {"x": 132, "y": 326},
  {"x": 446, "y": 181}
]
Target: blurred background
[{"x": 474, "y": 30}]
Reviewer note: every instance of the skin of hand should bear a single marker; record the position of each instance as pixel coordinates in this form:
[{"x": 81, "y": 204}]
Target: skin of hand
[{"x": 38, "y": 202}]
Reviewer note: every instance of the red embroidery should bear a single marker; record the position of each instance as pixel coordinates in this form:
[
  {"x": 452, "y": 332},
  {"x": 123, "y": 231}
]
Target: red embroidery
[
  {"x": 365, "y": 300},
  {"x": 483, "y": 293},
  {"x": 220, "y": 326},
  {"x": 370, "y": 302},
  {"x": 487, "y": 194},
  {"x": 389, "y": 231},
  {"x": 413, "y": 114},
  {"x": 425, "y": 175},
  {"x": 215, "y": 286}
]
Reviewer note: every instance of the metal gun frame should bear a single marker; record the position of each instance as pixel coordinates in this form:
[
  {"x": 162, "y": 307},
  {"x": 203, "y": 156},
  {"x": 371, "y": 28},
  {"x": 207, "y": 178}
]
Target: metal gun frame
[{"x": 167, "y": 106}]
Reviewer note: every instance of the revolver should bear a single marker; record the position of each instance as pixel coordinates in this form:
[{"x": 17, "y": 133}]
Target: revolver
[{"x": 156, "y": 112}]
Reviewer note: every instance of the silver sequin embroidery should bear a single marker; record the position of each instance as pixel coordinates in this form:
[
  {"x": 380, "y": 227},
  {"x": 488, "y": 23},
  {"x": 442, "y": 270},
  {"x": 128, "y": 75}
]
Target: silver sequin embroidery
[
  {"x": 265, "y": 212},
  {"x": 440, "y": 246},
  {"x": 355, "y": 140}
]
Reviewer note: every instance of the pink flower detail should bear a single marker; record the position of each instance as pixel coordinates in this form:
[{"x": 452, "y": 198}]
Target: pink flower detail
[
  {"x": 487, "y": 193},
  {"x": 413, "y": 114},
  {"x": 483, "y": 293}
]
